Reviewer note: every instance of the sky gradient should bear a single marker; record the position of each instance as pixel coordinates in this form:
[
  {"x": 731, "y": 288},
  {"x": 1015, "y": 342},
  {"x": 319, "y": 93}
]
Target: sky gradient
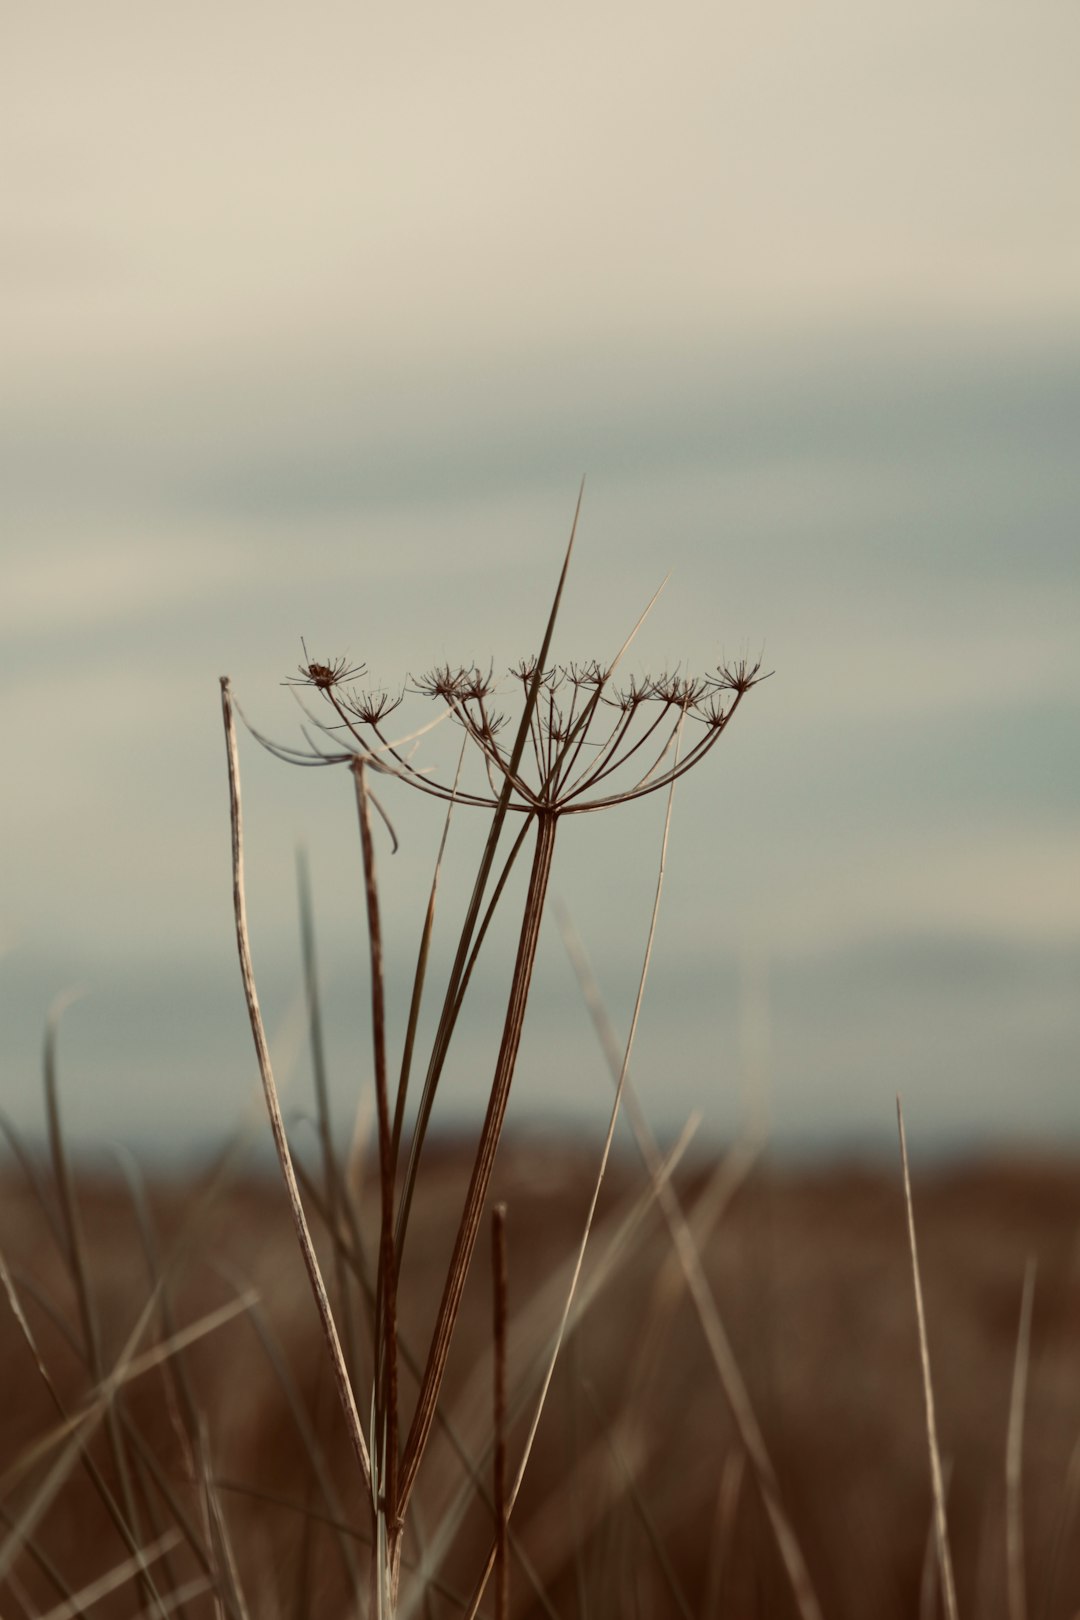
[{"x": 314, "y": 319}]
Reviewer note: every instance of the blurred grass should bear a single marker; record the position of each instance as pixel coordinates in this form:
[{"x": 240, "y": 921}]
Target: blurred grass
[{"x": 638, "y": 1501}]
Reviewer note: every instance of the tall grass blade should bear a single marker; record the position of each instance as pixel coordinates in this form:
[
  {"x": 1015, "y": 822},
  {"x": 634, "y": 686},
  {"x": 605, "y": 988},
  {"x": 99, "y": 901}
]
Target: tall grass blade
[
  {"x": 229, "y": 1574},
  {"x": 499, "y": 1289},
  {"x": 331, "y": 1177},
  {"x": 724, "y": 1359},
  {"x": 941, "y": 1529},
  {"x": 272, "y": 1350},
  {"x": 177, "y": 1392},
  {"x": 1063, "y": 1530},
  {"x": 34, "y": 1180},
  {"x": 720, "y": 1543},
  {"x": 1014, "y": 1452},
  {"x": 126, "y": 1519},
  {"x": 644, "y": 1516}
]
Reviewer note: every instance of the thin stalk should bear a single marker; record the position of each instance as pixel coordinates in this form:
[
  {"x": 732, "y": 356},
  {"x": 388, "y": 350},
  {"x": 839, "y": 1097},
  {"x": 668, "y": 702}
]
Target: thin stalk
[
  {"x": 941, "y": 1528},
  {"x": 499, "y": 1281},
  {"x": 640, "y": 1507},
  {"x": 420, "y": 976},
  {"x": 302, "y": 1421},
  {"x": 465, "y": 1242},
  {"x": 228, "y": 1573},
  {"x": 688, "y": 1252},
  {"x": 34, "y": 1180},
  {"x": 322, "y": 1107},
  {"x": 1014, "y": 1450},
  {"x": 127, "y": 1522},
  {"x": 178, "y": 1396},
  {"x": 277, "y": 1123},
  {"x": 386, "y": 1377}
]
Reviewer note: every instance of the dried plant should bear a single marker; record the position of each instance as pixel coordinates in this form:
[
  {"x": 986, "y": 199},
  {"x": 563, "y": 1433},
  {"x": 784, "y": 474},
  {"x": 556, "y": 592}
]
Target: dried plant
[{"x": 581, "y": 743}]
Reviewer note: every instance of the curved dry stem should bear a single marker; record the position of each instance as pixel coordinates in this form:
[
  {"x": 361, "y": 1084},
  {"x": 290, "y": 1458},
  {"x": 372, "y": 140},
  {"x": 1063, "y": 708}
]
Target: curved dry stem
[
  {"x": 277, "y": 1124},
  {"x": 941, "y": 1528}
]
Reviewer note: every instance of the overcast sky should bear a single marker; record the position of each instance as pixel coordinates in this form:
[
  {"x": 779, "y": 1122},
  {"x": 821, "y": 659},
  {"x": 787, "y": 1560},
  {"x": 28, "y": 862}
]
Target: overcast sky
[{"x": 313, "y": 319}]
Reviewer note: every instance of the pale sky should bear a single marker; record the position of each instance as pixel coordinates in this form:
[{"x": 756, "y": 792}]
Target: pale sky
[{"x": 313, "y": 318}]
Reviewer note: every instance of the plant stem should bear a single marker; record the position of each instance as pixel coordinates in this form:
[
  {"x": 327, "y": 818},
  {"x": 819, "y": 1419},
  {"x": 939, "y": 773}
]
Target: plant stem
[
  {"x": 386, "y": 1370},
  {"x": 465, "y": 1242}
]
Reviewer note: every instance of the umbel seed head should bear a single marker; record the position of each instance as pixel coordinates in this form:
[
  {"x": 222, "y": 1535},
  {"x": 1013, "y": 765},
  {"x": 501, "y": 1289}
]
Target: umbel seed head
[{"x": 581, "y": 742}]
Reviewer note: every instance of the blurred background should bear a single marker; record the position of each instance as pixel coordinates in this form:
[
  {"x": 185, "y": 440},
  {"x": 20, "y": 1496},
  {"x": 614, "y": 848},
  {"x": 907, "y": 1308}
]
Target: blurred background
[{"x": 314, "y": 319}]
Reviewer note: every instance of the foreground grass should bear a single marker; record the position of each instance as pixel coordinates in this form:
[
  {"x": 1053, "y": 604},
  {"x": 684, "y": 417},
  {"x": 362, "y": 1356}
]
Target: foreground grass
[{"x": 639, "y": 1499}]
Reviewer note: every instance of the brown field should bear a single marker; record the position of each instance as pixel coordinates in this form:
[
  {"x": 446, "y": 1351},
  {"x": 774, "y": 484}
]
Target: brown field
[{"x": 640, "y": 1499}]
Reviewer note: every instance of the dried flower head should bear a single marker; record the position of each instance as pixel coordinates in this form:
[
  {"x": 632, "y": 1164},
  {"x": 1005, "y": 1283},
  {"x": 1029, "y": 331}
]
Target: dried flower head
[
  {"x": 324, "y": 677},
  {"x": 371, "y": 707},
  {"x": 738, "y": 676},
  {"x": 591, "y": 744},
  {"x": 680, "y": 691}
]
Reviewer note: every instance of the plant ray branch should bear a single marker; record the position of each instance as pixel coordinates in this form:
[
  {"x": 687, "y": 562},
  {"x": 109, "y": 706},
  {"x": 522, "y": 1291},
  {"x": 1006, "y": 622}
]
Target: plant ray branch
[{"x": 582, "y": 726}]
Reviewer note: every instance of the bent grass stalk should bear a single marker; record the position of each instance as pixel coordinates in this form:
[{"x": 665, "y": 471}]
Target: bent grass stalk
[
  {"x": 941, "y": 1528},
  {"x": 1014, "y": 1454},
  {"x": 273, "y": 1107}
]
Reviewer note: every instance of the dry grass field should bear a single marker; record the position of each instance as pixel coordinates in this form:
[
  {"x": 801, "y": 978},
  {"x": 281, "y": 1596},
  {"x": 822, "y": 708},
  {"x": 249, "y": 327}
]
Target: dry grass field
[{"x": 640, "y": 1499}]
